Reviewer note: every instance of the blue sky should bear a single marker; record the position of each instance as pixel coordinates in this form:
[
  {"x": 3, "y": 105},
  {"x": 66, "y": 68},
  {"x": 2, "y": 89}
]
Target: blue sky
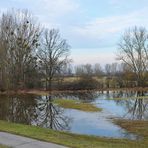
[{"x": 92, "y": 27}]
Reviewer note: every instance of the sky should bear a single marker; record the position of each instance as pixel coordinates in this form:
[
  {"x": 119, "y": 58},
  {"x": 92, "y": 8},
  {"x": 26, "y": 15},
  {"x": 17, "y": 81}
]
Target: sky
[{"x": 92, "y": 27}]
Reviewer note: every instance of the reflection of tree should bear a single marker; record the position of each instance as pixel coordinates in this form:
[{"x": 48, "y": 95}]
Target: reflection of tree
[
  {"x": 123, "y": 94},
  {"x": 20, "y": 109},
  {"x": 87, "y": 96},
  {"x": 136, "y": 108},
  {"x": 28, "y": 109},
  {"x": 139, "y": 108},
  {"x": 51, "y": 116}
]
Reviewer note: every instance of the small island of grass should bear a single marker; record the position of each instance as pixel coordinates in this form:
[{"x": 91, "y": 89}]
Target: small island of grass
[{"x": 75, "y": 104}]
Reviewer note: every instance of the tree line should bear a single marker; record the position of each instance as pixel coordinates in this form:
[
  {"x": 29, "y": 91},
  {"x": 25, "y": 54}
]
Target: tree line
[
  {"x": 35, "y": 57},
  {"x": 28, "y": 52}
]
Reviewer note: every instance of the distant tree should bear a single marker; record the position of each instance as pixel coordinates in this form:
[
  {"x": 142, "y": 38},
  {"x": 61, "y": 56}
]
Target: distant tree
[
  {"x": 85, "y": 70},
  {"x": 108, "y": 69},
  {"x": 98, "y": 71},
  {"x": 88, "y": 69},
  {"x": 53, "y": 55},
  {"x": 67, "y": 70},
  {"x": 79, "y": 70},
  {"x": 133, "y": 51},
  {"x": 114, "y": 69},
  {"x": 120, "y": 75}
]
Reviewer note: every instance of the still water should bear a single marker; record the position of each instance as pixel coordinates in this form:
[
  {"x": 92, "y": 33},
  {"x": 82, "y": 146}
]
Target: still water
[{"x": 40, "y": 111}]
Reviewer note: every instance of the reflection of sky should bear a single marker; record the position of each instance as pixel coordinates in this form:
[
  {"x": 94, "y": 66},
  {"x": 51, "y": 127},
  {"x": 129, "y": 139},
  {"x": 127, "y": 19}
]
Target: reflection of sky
[
  {"x": 123, "y": 108},
  {"x": 112, "y": 107},
  {"x": 100, "y": 123},
  {"x": 92, "y": 27},
  {"x": 94, "y": 124}
]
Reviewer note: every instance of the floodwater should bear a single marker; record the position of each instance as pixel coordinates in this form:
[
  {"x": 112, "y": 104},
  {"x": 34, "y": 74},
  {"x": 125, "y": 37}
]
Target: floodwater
[{"x": 40, "y": 111}]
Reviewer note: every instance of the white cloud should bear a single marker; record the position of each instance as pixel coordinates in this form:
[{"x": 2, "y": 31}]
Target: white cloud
[
  {"x": 93, "y": 56},
  {"x": 57, "y": 8},
  {"x": 69, "y": 16},
  {"x": 92, "y": 59},
  {"x": 115, "y": 2},
  {"x": 109, "y": 26},
  {"x": 51, "y": 11},
  {"x": 60, "y": 7},
  {"x": 53, "y": 8}
]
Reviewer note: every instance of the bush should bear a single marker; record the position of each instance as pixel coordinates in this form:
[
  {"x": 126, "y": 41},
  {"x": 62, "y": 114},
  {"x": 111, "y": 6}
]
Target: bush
[{"x": 84, "y": 83}]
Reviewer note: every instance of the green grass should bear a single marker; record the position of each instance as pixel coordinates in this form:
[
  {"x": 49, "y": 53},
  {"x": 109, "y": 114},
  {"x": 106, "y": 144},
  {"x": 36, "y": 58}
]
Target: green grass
[
  {"x": 75, "y": 140},
  {"x": 75, "y": 104},
  {"x": 3, "y": 146}
]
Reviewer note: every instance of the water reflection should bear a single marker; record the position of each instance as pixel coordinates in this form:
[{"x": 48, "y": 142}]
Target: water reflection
[
  {"x": 136, "y": 108},
  {"x": 84, "y": 96},
  {"x": 41, "y": 111},
  {"x": 33, "y": 110},
  {"x": 51, "y": 116},
  {"x": 20, "y": 109}
]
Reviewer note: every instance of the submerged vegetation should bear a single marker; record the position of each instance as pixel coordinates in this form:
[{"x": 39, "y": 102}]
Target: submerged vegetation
[{"x": 76, "y": 104}]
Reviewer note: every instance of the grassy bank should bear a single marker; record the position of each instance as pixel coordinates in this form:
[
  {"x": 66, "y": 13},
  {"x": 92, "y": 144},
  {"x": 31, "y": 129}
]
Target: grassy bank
[
  {"x": 137, "y": 127},
  {"x": 74, "y": 140},
  {"x": 74, "y": 104},
  {"x": 3, "y": 146}
]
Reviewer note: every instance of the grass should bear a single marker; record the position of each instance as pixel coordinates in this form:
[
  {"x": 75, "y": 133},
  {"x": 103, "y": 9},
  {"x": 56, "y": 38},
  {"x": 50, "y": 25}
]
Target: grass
[
  {"x": 75, "y": 104},
  {"x": 3, "y": 146},
  {"x": 138, "y": 127},
  {"x": 75, "y": 140}
]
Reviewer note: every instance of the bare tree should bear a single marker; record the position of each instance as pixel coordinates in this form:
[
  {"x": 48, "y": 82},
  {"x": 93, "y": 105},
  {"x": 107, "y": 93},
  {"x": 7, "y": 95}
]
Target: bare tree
[
  {"x": 79, "y": 70},
  {"x": 88, "y": 69},
  {"x": 108, "y": 69},
  {"x": 114, "y": 69},
  {"x": 85, "y": 70},
  {"x": 98, "y": 71},
  {"x": 133, "y": 50},
  {"x": 19, "y": 36},
  {"x": 53, "y": 55}
]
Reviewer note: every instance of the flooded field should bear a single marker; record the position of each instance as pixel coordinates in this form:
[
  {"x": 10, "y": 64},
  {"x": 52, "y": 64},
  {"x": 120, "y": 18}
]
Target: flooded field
[{"x": 41, "y": 111}]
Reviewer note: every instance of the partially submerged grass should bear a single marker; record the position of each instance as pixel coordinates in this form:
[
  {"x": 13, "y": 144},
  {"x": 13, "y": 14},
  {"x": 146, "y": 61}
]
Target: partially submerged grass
[
  {"x": 138, "y": 127},
  {"x": 73, "y": 140},
  {"x": 139, "y": 97},
  {"x": 76, "y": 104}
]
